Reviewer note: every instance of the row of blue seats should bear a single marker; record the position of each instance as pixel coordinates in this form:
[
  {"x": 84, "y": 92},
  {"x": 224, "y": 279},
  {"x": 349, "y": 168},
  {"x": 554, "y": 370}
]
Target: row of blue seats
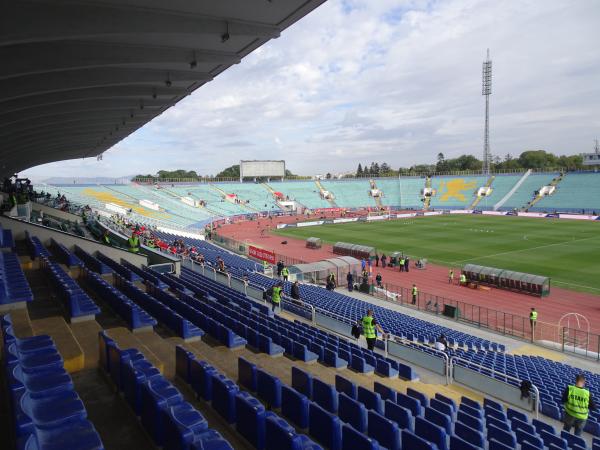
[
  {"x": 144, "y": 274},
  {"x": 47, "y": 412},
  {"x": 263, "y": 429},
  {"x": 181, "y": 326},
  {"x": 171, "y": 281},
  {"x": 438, "y": 421},
  {"x": 63, "y": 255},
  {"x": 6, "y": 238},
  {"x": 135, "y": 317},
  {"x": 92, "y": 262},
  {"x": 75, "y": 300},
  {"x": 392, "y": 321},
  {"x": 14, "y": 287},
  {"x": 35, "y": 247},
  {"x": 550, "y": 377},
  {"x": 304, "y": 341},
  {"x": 172, "y": 422},
  {"x": 123, "y": 271},
  {"x": 211, "y": 324}
]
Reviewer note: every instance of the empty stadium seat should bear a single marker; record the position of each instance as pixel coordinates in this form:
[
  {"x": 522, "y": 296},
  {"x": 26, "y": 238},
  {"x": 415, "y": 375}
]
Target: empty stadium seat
[
  {"x": 294, "y": 406},
  {"x": 355, "y": 440},
  {"x": 268, "y": 388},
  {"x": 325, "y": 427},
  {"x": 386, "y": 432},
  {"x": 325, "y": 395},
  {"x": 352, "y": 412}
]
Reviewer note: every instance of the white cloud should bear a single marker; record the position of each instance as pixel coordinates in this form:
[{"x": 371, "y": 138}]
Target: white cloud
[{"x": 397, "y": 81}]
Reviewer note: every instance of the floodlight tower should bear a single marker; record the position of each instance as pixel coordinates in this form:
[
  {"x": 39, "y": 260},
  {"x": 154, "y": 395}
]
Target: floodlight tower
[{"x": 486, "y": 90}]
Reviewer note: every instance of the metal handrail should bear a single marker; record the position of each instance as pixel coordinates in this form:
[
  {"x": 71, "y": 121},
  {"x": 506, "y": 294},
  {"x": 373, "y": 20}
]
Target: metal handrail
[
  {"x": 402, "y": 341},
  {"x": 535, "y": 389}
]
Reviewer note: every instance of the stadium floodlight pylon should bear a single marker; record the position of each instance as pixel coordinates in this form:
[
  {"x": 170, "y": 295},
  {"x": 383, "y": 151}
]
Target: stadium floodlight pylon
[{"x": 486, "y": 90}]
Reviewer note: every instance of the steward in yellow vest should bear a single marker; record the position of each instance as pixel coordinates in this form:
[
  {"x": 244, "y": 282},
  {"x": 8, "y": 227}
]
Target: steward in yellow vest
[{"x": 577, "y": 402}]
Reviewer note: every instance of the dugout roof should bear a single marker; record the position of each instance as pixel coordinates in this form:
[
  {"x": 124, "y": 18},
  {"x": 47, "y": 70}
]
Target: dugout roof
[{"x": 79, "y": 76}]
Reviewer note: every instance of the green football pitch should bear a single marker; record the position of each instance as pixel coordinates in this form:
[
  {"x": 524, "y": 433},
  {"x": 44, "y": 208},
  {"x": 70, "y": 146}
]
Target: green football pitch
[{"x": 568, "y": 251}]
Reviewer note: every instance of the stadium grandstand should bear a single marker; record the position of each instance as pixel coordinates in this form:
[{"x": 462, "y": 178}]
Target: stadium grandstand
[{"x": 144, "y": 314}]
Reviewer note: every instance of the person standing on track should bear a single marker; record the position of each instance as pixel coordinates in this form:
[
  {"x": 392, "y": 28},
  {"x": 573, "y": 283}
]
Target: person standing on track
[
  {"x": 415, "y": 293},
  {"x": 533, "y": 322},
  {"x": 451, "y": 276}
]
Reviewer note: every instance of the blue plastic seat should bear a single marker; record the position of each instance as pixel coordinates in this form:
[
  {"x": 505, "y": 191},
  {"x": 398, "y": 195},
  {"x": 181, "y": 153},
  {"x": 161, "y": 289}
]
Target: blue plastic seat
[
  {"x": 279, "y": 435},
  {"x": 372, "y": 400},
  {"x": 250, "y": 419},
  {"x": 469, "y": 434},
  {"x": 352, "y": 412},
  {"x": 80, "y": 435},
  {"x": 157, "y": 395},
  {"x": 423, "y": 399},
  {"x": 55, "y": 411},
  {"x": 413, "y": 442},
  {"x": 412, "y": 404},
  {"x": 399, "y": 414},
  {"x": 201, "y": 376},
  {"x": 475, "y": 412},
  {"x": 471, "y": 403},
  {"x": 331, "y": 359},
  {"x": 552, "y": 439},
  {"x": 182, "y": 424},
  {"x": 505, "y": 437},
  {"x": 385, "y": 369},
  {"x": 294, "y": 406},
  {"x": 492, "y": 404},
  {"x": 386, "y": 392},
  {"x": 302, "y": 353},
  {"x": 266, "y": 345},
  {"x": 493, "y": 444},
  {"x": 223, "y": 396},
  {"x": 532, "y": 440},
  {"x": 439, "y": 418},
  {"x": 359, "y": 364},
  {"x": 386, "y": 432},
  {"x": 470, "y": 421},
  {"x": 447, "y": 400},
  {"x": 513, "y": 413},
  {"x": 211, "y": 440},
  {"x": 183, "y": 359},
  {"x": 302, "y": 381},
  {"x": 247, "y": 374},
  {"x": 572, "y": 439},
  {"x": 442, "y": 407},
  {"x": 457, "y": 443},
  {"x": 431, "y": 432},
  {"x": 355, "y": 440},
  {"x": 325, "y": 427},
  {"x": 346, "y": 386},
  {"x": 325, "y": 395},
  {"x": 268, "y": 388}
]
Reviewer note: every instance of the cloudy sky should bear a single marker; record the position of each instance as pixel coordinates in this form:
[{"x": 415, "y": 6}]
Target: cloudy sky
[{"x": 385, "y": 80}]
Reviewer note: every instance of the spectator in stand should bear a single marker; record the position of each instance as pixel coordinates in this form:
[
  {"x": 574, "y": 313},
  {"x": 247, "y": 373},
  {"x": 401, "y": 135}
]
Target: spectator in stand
[
  {"x": 279, "y": 268},
  {"x": 577, "y": 402},
  {"x": 350, "y": 281},
  {"x": 106, "y": 238},
  {"x": 295, "y": 293},
  {"x": 406, "y": 264},
  {"x": 441, "y": 343},
  {"x": 285, "y": 273},
  {"x": 383, "y": 260},
  {"x": 378, "y": 280},
  {"x": 331, "y": 279}
]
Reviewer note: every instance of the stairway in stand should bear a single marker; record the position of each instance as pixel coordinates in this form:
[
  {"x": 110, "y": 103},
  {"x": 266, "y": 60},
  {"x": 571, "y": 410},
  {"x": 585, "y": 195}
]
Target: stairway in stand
[{"x": 322, "y": 190}]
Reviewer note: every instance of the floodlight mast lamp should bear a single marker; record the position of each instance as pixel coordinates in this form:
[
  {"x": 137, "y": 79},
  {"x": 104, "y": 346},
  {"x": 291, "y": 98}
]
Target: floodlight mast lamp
[{"x": 486, "y": 90}]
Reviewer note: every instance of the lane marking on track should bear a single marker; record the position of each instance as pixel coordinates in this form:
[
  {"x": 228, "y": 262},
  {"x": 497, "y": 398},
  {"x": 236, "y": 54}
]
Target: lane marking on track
[{"x": 526, "y": 249}]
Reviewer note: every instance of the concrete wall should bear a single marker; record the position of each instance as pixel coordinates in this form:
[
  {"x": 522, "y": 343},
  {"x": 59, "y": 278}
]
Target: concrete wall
[
  {"x": 69, "y": 240},
  {"x": 53, "y": 212}
]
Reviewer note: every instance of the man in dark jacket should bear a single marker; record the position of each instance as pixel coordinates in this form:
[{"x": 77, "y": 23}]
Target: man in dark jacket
[
  {"x": 295, "y": 291},
  {"x": 350, "y": 280}
]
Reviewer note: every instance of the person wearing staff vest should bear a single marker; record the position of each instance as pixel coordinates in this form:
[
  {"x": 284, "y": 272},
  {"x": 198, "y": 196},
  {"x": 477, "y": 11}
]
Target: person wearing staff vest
[
  {"x": 106, "y": 238},
  {"x": 463, "y": 279},
  {"x": 276, "y": 296},
  {"x": 285, "y": 273},
  {"x": 415, "y": 293},
  {"x": 134, "y": 243},
  {"x": 265, "y": 265},
  {"x": 533, "y": 321},
  {"x": 370, "y": 328},
  {"x": 577, "y": 402}
]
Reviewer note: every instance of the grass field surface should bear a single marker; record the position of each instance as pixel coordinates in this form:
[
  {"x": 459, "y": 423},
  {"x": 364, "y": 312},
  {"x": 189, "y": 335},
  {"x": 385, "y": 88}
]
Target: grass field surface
[{"x": 568, "y": 251}]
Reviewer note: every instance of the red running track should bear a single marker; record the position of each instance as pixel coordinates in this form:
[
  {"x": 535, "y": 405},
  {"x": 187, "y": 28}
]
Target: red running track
[{"x": 432, "y": 280}]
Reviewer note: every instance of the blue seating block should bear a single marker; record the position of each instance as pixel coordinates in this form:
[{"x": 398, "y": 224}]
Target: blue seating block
[
  {"x": 467, "y": 419},
  {"x": 352, "y": 412},
  {"x": 331, "y": 359},
  {"x": 505, "y": 437},
  {"x": 406, "y": 372},
  {"x": 201, "y": 377},
  {"x": 359, "y": 364},
  {"x": 183, "y": 359},
  {"x": 279, "y": 435},
  {"x": 439, "y": 418},
  {"x": 385, "y": 369},
  {"x": 302, "y": 353},
  {"x": 572, "y": 439},
  {"x": 325, "y": 427},
  {"x": 449, "y": 401},
  {"x": 211, "y": 440},
  {"x": 386, "y": 432},
  {"x": 553, "y": 439},
  {"x": 412, "y": 404},
  {"x": 294, "y": 406},
  {"x": 266, "y": 345},
  {"x": 157, "y": 395}
]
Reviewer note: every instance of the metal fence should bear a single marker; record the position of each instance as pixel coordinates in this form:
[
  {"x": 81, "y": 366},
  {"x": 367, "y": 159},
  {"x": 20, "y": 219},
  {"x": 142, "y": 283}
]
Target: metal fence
[{"x": 544, "y": 334}]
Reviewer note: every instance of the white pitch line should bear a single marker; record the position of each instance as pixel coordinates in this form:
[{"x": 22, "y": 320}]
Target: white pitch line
[{"x": 526, "y": 249}]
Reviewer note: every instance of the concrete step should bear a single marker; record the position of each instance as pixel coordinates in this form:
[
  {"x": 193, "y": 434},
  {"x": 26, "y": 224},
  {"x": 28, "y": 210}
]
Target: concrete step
[
  {"x": 125, "y": 339},
  {"x": 86, "y": 334},
  {"x": 163, "y": 348},
  {"x": 21, "y": 323},
  {"x": 66, "y": 342}
]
